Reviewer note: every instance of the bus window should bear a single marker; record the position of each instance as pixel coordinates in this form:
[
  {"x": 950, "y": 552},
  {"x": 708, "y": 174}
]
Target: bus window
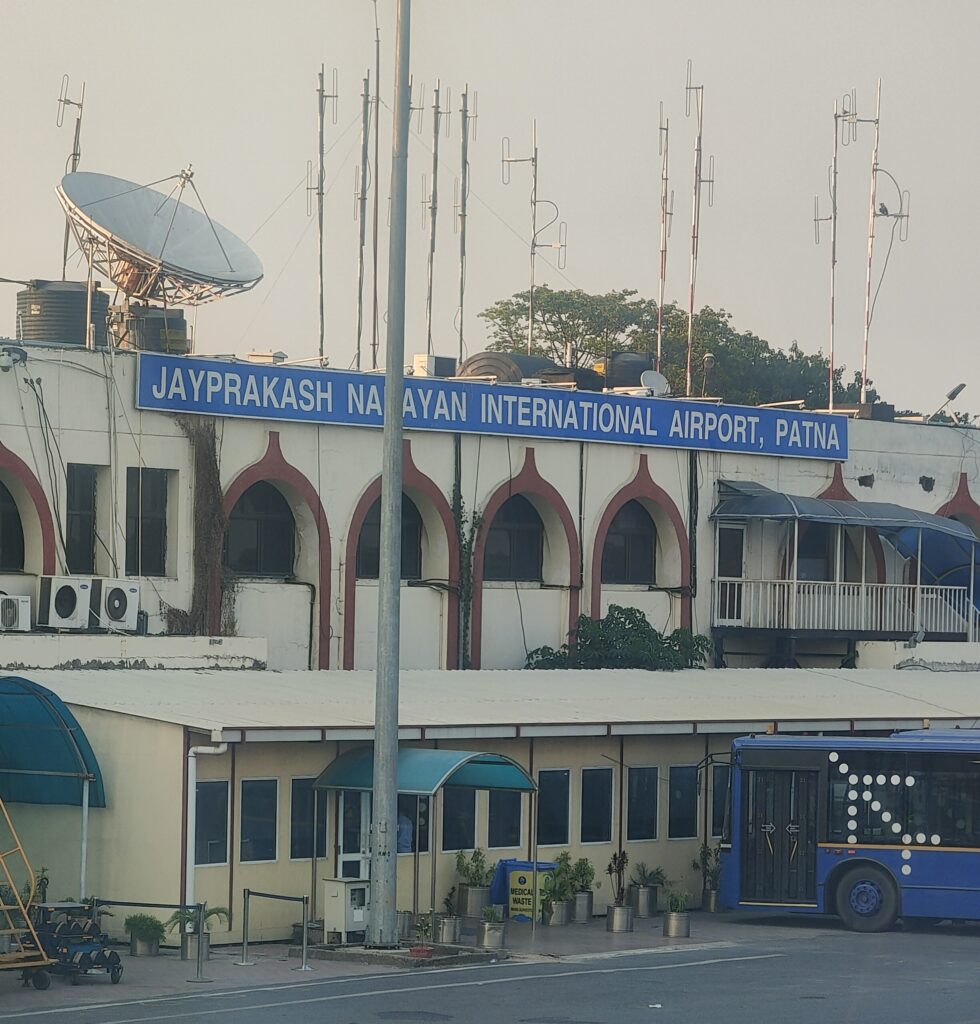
[
  {"x": 867, "y": 801},
  {"x": 943, "y": 801}
]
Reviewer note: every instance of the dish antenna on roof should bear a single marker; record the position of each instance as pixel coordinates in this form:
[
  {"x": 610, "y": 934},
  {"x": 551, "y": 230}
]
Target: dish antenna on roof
[
  {"x": 656, "y": 383},
  {"x": 154, "y": 246}
]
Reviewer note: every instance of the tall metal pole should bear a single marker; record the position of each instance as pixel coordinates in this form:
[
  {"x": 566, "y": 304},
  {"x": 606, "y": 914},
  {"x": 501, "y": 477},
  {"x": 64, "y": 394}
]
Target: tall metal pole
[
  {"x": 871, "y": 249},
  {"x": 464, "y": 188},
  {"x": 833, "y": 260},
  {"x": 534, "y": 232},
  {"x": 433, "y": 211},
  {"x": 376, "y": 185},
  {"x": 73, "y": 160},
  {"x": 695, "y": 220},
  {"x": 321, "y": 102},
  {"x": 362, "y": 209},
  {"x": 665, "y": 143},
  {"x": 382, "y": 927}
]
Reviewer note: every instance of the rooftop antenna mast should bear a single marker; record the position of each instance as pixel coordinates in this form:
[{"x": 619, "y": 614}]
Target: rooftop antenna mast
[
  {"x": 505, "y": 161},
  {"x": 375, "y": 324},
  {"x": 666, "y": 216},
  {"x": 430, "y": 203},
  {"x": 322, "y": 97},
  {"x": 696, "y": 92},
  {"x": 462, "y": 195},
  {"x": 845, "y": 132},
  {"x": 361, "y": 186},
  {"x": 76, "y": 150}
]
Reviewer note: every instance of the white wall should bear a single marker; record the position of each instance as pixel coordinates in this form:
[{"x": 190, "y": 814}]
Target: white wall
[
  {"x": 423, "y": 627},
  {"x": 519, "y": 617},
  {"x": 279, "y": 613}
]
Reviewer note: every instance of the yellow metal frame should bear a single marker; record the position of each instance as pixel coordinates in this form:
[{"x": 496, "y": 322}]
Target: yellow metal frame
[{"x": 22, "y": 956}]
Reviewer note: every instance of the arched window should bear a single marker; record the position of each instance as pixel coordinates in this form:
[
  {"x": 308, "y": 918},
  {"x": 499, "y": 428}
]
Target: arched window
[
  {"x": 260, "y": 539},
  {"x": 369, "y": 542},
  {"x": 630, "y": 552},
  {"x": 515, "y": 543},
  {"x": 11, "y": 534}
]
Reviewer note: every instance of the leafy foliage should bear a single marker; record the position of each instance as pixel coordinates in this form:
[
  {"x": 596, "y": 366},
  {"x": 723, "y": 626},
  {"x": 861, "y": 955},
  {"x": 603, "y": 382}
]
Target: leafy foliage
[
  {"x": 474, "y": 870},
  {"x": 642, "y": 875},
  {"x": 676, "y": 900},
  {"x": 623, "y": 639},
  {"x": 708, "y": 862},
  {"x": 144, "y": 927},
  {"x": 616, "y": 870},
  {"x": 583, "y": 876}
]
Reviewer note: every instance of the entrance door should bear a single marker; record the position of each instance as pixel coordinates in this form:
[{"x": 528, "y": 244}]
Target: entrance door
[
  {"x": 355, "y": 834},
  {"x": 780, "y": 837}
]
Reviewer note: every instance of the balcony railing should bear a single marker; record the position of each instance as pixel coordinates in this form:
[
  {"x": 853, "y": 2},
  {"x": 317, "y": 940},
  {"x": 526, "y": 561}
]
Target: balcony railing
[{"x": 883, "y": 608}]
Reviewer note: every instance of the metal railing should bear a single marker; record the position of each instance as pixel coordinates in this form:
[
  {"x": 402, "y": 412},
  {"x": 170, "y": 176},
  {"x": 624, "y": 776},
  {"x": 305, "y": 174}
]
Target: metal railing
[
  {"x": 305, "y": 900},
  {"x": 846, "y": 607}
]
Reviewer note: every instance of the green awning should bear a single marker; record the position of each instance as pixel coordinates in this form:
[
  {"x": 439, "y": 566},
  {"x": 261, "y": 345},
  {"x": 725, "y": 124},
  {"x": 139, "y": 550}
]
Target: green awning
[{"x": 423, "y": 771}]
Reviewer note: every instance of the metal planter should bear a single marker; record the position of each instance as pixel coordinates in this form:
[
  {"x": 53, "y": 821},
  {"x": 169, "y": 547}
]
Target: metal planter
[
  {"x": 643, "y": 899},
  {"x": 472, "y": 900},
  {"x": 711, "y": 901},
  {"x": 555, "y": 913},
  {"x": 491, "y": 935},
  {"x": 619, "y": 919},
  {"x": 582, "y": 907},
  {"x": 143, "y": 947},
  {"x": 188, "y": 946},
  {"x": 405, "y": 920},
  {"x": 677, "y": 926},
  {"x": 448, "y": 930}
]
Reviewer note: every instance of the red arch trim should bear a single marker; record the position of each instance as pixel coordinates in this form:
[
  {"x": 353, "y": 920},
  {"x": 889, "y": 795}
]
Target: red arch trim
[
  {"x": 274, "y": 468},
  {"x": 643, "y": 486},
  {"x": 961, "y": 503},
  {"x": 412, "y": 479},
  {"x": 528, "y": 481},
  {"x": 19, "y": 469},
  {"x": 837, "y": 490}
]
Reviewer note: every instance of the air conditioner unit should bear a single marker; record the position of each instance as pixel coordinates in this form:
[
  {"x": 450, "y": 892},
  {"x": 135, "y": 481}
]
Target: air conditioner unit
[
  {"x": 63, "y": 602},
  {"x": 15, "y": 614},
  {"x": 115, "y": 605}
]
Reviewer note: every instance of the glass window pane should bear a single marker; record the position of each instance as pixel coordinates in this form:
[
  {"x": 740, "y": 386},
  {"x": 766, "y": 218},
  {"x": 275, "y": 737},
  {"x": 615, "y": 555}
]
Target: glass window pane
[
  {"x": 641, "y": 803},
  {"x": 720, "y": 774},
  {"x": 682, "y": 809},
  {"x": 504, "y": 824},
  {"x": 413, "y": 823},
  {"x": 211, "y": 828},
  {"x": 553, "y": 807},
  {"x": 146, "y": 521},
  {"x": 258, "y": 819},
  {"x": 458, "y": 818},
  {"x": 515, "y": 543},
  {"x": 614, "y": 558},
  {"x": 596, "y": 805},
  {"x": 301, "y": 820},
  {"x": 11, "y": 534},
  {"x": 730, "y": 552}
]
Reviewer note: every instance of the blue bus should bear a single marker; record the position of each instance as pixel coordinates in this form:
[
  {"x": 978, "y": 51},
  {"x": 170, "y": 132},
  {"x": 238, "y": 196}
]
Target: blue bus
[{"x": 872, "y": 829}]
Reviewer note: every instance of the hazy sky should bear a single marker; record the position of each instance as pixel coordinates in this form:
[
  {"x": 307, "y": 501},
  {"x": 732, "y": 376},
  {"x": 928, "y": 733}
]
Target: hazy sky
[{"x": 229, "y": 87}]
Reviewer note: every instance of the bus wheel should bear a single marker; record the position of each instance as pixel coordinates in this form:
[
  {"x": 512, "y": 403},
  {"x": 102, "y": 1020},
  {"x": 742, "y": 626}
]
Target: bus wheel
[{"x": 867, "y": 900}]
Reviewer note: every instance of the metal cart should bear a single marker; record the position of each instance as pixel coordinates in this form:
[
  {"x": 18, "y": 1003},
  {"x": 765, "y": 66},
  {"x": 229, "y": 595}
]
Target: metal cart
[{"x": 70, "y": 936}]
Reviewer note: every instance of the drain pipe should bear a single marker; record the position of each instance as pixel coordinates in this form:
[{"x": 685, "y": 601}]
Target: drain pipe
[{"x": 191, "y": 829}]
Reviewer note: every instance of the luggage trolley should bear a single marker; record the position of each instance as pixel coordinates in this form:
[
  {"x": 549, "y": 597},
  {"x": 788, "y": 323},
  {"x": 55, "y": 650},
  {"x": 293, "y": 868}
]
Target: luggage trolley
[{"x": 72, "y": 938}]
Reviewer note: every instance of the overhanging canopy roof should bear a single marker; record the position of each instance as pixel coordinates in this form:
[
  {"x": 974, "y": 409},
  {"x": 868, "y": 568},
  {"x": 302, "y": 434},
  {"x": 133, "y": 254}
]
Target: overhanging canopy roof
[
  {"x": 44, "y": 754},
  {"x": 422, "y": 772}
]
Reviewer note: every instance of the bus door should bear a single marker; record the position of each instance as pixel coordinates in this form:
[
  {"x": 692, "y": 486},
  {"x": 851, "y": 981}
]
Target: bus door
[{"x": 779, "y": 836}]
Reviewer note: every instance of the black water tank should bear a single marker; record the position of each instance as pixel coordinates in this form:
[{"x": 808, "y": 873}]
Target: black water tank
[
  {"x": 507, "y": 367},
  {"x": 55, "y": 311},
  {"x": 625, "y": 369}
]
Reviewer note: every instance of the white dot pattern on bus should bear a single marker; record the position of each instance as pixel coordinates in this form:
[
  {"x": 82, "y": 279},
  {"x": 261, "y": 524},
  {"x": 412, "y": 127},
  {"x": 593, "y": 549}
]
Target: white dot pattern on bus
[
  {"x": 906, "y": 854},
  {"x": 896, "y": 779},
  {"x": 886, "y": 816},
  {"x": 853, "y": 780},
  {"x": 852, "y": 794},
  {"x": 852, "y": 810},
  {"x": 906, "y": 870},
  {"x": 876, "y": 805},
  {"x": 896, "y": 827},
  {"x": 834, "y": 756},
  {"x": 935, "y": 840},
  {"x": 852, "y": 824}
]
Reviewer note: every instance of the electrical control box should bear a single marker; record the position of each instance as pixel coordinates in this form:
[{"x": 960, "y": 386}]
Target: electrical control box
[{"x": 346, "y": 902}]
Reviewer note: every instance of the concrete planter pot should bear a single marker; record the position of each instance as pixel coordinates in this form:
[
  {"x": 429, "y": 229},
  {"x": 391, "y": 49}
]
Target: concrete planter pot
[
  {"x": 582, "y": 907},
  {"x": 188, "y": 946},
  {"x": 472, "y": 900},
  {"x": 448, "y": 930},
  {"x": 643, "y": 899},
  {"x": 491, "y": 935},
  {"x": 143, "y": 947},
  {"x": 619, "y": 919},
  {"x": 677, "y": 925},
  {"x": 555, "y": 913}
]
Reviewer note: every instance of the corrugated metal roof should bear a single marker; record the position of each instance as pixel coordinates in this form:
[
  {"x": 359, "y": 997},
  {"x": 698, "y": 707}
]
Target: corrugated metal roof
[{"x": 573, "y": 702}]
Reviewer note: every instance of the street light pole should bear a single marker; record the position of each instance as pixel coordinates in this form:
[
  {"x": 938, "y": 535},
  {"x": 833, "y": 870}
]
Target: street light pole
[{"x": 382, "y": 929}]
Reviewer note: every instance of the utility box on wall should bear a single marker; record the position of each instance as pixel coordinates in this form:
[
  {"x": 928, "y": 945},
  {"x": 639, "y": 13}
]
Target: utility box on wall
[{"x": 346, "y": 902}]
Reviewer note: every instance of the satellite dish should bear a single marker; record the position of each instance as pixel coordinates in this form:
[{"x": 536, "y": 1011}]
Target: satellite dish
[
  {"x": 656, "y": 383},
  {"x": 154, "y": 246}
]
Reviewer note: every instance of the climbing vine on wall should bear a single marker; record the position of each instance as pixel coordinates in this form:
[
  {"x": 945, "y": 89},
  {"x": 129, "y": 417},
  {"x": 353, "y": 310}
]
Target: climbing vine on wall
[{"x": 467, "y": 527}]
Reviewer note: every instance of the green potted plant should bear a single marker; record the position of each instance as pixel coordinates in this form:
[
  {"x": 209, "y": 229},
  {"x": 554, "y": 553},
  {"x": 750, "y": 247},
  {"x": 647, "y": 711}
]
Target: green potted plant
[
  {"x": 677, "y": 921},
  {"x": 474, "y": 888},
  {"x": 423, "y": 932},
  {"x": 186, "y": 922},
  {"x": 492, "y": 928},
  {"x": 449, "y": 924},
  {"x": 556, "y": 892},
  {"x": 619, "y": 914},
  {"x": 145, "y": 934},
  {"x": 708, "y": 863},
  {"x": 644, "y": 883},
  {"x": 583, "y": 883}
]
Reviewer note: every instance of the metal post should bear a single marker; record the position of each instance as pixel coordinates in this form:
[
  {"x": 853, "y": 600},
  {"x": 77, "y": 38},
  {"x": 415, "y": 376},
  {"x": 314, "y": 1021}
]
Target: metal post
[
  {"x": 871, "y": 249},
  {"x": 918, "y": 584},
  {"x": 534, "y": 860},
  {"x": 534, "y": 236},
  {"x": 304, "y": 966},
  {"x": 833, "y": 265},
  {"x": 664, "y": 214},
  {"x": 362, "y": 211},
  {"x": 83, "y": 860},
  {"x": 375, "y": 185},
  {"x": 321, "y": 100},
  {"x": 199, "y": 976},
  {"x": 316, "y": 800},
  {"x": 973, "y": 616},
  {"x": 245, "y": 962},
  {"x": 464, "y": 187},
  {"x": 796, "y": 565},
  {"x": 382, "y": 929},
  {"x": 864, "y": 591},
  {"x": 433, "y": 212},
  {"x": 435, "y": 842}
]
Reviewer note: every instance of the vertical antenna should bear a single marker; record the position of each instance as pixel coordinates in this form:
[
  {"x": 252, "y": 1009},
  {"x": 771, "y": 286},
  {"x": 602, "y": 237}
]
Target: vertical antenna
[
  {"x": 433, "y": 204},
  {"x": 505, "y": 161},
  {"x": 76, "y": 152},
  {"x": 695, "y": 92},
  {"x": 872, "y": 209},
  {"x": 360, "y": 208},
  {"x": 666, "y": 213},
  {"x": 463, "y": 191},
  {"x": 375, "y": 326},
  {"x": 322, "y": 97}
]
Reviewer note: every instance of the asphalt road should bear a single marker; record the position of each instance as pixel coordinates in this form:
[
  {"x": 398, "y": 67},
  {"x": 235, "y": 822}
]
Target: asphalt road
[{"x": 834, "y": 976}]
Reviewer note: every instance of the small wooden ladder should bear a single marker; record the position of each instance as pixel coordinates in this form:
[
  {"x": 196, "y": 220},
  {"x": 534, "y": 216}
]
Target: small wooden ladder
[{"x": 25, "y": 952}]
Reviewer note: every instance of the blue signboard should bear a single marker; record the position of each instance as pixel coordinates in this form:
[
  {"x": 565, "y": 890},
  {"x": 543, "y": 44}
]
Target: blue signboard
[{"x": 179, "y": 384}]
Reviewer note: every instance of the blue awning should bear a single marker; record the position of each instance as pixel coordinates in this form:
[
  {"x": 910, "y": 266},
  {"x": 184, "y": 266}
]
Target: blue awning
[
  {"x": 423, "y": 771},
  {"x": 44, "y": 754}
]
